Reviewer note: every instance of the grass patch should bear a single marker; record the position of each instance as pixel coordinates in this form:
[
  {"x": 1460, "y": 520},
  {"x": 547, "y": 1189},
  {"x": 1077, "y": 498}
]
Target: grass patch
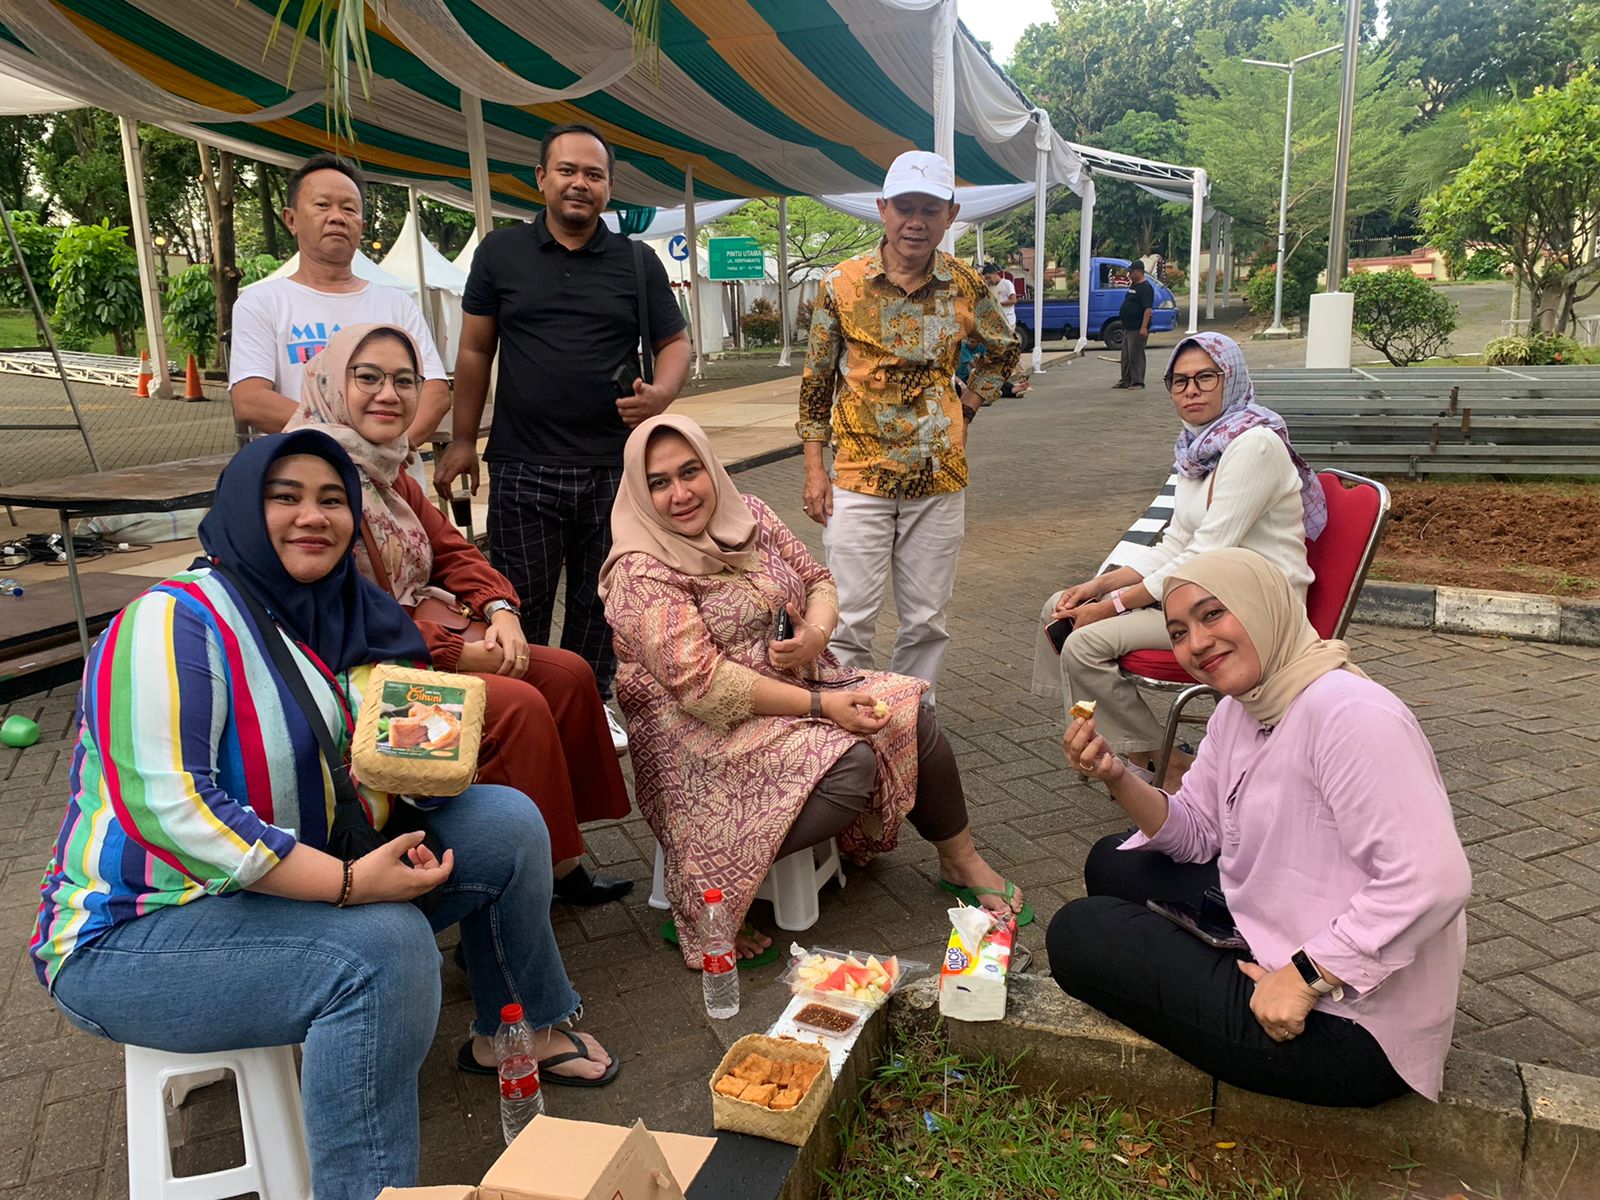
[
  {"x": 18, "y": 329},
  {"x": 933, "y": 1126}
]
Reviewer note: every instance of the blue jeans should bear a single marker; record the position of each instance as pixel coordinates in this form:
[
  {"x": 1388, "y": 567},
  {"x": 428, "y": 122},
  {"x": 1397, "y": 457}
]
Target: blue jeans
[{"x": 359, "y": 986}]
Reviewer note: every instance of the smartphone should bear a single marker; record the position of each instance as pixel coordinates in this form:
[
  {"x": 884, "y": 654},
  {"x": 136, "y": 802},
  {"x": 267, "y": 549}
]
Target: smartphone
[
  {"x": 1057, "y": 632},
  {"x": 785, "y": 629},
  {"x": 624, "y": 377},
  {"x": 1212, "y": 923}
]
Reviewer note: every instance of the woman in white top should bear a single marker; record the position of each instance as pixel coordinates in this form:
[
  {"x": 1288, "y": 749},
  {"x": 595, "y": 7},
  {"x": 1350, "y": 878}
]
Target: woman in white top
[{"x": 1240, "y": 483}]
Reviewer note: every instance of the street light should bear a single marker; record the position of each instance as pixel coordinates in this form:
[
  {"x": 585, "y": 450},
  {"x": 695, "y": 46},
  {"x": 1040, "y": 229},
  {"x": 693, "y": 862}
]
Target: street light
[{"x": 1277, "y": 327}]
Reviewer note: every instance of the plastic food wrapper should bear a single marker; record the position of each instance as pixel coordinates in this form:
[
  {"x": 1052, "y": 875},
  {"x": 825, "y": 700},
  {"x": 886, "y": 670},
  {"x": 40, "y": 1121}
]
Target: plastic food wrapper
[
  {"x": 972, "y": 978},
  {"x": 856, "y": 975}
]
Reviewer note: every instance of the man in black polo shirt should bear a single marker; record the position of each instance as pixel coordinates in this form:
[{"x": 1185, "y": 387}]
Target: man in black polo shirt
[
  {"x": 1135, "y": 313},
  {"x": 559, "y": 297}
]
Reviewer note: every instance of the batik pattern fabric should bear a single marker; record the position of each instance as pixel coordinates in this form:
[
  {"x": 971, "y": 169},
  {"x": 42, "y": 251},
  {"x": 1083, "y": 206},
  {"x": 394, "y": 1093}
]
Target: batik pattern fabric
[
  {"x": 879, "y": 374},
  {"x": 719, "y": 785},
  {"x": 195, "y": 771}
]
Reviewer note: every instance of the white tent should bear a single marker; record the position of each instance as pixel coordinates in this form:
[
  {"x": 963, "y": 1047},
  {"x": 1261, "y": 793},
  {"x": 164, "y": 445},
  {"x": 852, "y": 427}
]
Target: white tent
[
  {"x": 464, "y": 259},
  {"x": 363, "y": 268},
  {"x": 444, "y": 282}
]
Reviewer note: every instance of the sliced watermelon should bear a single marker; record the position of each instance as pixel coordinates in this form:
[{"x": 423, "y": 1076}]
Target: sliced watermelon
[{"x": 836, "y": 981}]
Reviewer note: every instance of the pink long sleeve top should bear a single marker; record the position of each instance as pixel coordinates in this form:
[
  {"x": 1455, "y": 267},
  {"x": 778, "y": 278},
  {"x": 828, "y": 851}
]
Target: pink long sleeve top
[{"x": 1332, "y": 831}]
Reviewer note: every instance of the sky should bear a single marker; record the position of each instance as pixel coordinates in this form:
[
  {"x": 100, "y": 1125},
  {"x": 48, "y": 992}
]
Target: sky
[{"x": 1001, "y": 22}]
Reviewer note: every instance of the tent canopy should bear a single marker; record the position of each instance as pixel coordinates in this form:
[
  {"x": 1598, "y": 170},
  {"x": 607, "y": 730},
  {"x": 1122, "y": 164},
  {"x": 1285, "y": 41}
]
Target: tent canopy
[
  {"x": 364, "y": 268},
  {"x": 759, "y": 97},
  {"x": 437, "y": 270}
]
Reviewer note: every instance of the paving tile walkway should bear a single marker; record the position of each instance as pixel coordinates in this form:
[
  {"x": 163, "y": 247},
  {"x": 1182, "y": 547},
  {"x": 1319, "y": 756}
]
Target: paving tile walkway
[{"x": 1056, "y": 476}]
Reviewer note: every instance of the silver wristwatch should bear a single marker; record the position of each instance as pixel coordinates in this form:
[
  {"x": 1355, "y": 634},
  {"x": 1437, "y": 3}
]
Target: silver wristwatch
[{"x": 495, "y": 606}]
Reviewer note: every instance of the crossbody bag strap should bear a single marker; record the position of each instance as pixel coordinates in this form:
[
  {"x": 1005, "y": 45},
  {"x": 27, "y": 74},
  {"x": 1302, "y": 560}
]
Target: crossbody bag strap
[
  {"x": 380, "y": 572},
  {"x": 647, "y": 356}
]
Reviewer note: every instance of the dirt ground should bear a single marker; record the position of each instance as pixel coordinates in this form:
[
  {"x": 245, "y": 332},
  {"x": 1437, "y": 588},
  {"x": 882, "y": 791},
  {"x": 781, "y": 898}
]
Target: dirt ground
[{"x": 1517, "y": 537}]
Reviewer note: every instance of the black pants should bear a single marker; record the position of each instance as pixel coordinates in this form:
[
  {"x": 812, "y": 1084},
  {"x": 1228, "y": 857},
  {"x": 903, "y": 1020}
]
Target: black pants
[
  {"x": 1110, "y": 951},
  {"x": 1133, "y": 344},
  {"x": 539, "y": 518}
]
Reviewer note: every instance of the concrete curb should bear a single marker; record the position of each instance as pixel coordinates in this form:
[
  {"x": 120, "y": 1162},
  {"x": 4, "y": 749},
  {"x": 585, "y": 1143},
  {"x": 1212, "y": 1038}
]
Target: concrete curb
[
  {"x": 1471, "y": 610},
  {"x": 1504, "y": 1128}
]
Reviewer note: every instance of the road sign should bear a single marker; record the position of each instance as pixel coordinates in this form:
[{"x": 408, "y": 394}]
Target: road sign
[
  {"x": 678, "y": 247},
  {"x": 736, "y": 258}
]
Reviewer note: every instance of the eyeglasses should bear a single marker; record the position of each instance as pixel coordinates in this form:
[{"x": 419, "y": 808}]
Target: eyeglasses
[
  {"x": 370, "y": 380},
  {"x": 1206, "y": 381}
]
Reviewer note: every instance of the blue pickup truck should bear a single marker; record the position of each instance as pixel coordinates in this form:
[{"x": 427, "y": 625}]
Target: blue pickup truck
[{"x": 1110, "y": 276}]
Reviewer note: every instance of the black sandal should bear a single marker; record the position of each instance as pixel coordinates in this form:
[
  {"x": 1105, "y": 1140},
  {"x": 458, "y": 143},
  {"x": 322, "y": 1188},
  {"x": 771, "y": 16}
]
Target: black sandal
[{"x": 468, "y": 1063}]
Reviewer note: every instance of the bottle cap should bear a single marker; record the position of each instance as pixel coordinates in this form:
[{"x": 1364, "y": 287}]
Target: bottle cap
[
  {"x": 511, "y": 1014},
  {"x": 713, "y": 895}
]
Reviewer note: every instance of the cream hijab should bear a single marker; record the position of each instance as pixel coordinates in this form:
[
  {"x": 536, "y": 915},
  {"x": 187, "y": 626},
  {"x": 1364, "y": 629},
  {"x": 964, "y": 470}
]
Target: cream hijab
[
  {"x": 1292, "y": 655},
  {"x": 727, "y": 542}
]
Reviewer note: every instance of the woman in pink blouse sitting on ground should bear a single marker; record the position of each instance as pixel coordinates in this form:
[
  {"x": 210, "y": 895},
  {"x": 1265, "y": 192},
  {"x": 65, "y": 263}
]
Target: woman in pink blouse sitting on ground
[
  {"x": 1316, "y": 807},
  {"x": 745, "y": 748}
]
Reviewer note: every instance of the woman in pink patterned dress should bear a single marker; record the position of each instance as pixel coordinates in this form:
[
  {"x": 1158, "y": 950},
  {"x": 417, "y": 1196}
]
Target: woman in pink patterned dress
[{"x": 746, "y": 749}]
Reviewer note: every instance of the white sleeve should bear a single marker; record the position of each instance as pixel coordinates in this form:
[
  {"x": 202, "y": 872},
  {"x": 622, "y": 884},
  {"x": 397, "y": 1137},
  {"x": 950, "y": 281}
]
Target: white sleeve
[
  {"x": 254, "y": 349},
  {"x": 408, "y": 315}
]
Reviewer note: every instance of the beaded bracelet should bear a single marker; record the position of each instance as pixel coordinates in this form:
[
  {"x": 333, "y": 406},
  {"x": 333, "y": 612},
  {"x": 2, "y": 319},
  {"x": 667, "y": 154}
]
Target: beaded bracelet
[{"x": 349, "y": 878}]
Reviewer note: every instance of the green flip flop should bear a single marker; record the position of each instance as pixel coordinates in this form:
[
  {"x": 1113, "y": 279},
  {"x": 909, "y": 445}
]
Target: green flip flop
[
  {"x": 669, "y": 934},
  {"x": 970, "y": 895}
]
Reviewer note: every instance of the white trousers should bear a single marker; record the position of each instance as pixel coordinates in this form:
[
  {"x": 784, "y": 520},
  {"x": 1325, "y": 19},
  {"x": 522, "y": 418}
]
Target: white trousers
[{"x": 916, "y": 543}]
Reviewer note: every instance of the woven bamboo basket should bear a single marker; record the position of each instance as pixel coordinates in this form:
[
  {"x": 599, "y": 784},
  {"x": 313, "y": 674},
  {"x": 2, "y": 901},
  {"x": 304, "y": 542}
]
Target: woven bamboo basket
[{"x": 792, "y": 1125}]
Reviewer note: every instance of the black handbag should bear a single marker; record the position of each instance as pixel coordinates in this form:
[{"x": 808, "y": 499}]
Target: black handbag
[{"x": 352, "y": 835}]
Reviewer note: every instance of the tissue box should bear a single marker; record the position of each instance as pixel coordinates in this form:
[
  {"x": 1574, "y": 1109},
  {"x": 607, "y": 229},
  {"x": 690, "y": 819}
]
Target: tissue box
[{"x": 972, "y": 987}]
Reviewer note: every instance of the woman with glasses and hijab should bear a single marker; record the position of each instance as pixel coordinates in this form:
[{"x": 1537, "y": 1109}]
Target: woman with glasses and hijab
[{"x": 1240, "y": 483}]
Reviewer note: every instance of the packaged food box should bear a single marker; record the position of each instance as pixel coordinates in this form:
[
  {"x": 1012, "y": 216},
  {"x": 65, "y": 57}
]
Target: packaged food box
[{"x": 972, "y": 983}]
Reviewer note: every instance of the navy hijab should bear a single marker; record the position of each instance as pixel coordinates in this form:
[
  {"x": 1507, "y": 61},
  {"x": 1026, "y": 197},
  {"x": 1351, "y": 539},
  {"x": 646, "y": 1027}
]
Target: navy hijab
[{"x": 344, "y": 619}]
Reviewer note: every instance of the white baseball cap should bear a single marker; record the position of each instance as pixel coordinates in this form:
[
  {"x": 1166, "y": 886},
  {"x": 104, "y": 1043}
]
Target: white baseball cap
[{"x": 918, "y": 171}]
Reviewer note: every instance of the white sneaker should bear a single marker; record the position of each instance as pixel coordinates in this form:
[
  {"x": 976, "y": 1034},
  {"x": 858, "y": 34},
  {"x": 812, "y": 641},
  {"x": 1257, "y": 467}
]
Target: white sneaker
[{"x": 619, "y": 735}]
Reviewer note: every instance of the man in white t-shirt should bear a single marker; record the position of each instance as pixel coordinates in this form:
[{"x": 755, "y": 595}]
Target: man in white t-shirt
[
  {"x": 278, "y": 324},
  {"x": 1005, "y": 293}
]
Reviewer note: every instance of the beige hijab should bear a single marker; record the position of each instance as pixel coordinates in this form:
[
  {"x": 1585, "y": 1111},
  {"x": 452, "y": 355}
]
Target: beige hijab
[
  {"x": 727, "y": 542},
  {"x": 1292, "y": 655},
  {"x": 398, "y": 534}
]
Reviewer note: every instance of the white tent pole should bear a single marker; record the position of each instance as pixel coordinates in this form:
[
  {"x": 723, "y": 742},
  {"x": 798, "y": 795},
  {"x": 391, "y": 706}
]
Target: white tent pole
[
  {"x": 1213, "y": 264},
  {"x": 1041, "y": 144},
  {"x": 689, "y": 234},
  {"x": 1227, "y": 261},
  {"x": 149, "y": 276},
  {"x": 981, "y": 258},
  {"x": 783, "y": 280},
  {"x": 944, "y": 95},
  {"x": 478, "y": 164},
  {"x": 422, "y": 271},
  {"x": 1085, "y": 263},
  {"x": 1197, "y": 226}
]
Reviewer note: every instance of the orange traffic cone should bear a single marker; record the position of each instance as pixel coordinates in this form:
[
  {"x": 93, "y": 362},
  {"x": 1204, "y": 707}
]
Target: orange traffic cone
[
  {"x": 143, "y": 390},
  {"x": 191, "y": 382}
]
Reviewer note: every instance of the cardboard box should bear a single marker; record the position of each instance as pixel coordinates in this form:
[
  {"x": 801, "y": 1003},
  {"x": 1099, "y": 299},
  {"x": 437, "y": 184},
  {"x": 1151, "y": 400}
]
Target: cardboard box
[
  {"x": 972, "y": 987},
  {"x": 553, "y": 1159}
]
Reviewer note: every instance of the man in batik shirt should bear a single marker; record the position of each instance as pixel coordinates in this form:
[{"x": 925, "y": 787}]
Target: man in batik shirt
[{"x": 880, "y": 381}]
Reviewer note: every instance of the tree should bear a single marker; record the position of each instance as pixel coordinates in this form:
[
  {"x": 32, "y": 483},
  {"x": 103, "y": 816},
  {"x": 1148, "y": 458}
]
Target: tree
[
  {"x": 38, "y": 242},
  {"x": 1461, "y": 45},
  {"x": 18, "y": 137},
  {"x": 95, "y": 274},
  {"x": 1242, "y": 148},
  {"x": 220, "y": 184},
  {"x": 1400, "y": 316},
  {"x": 191, "y": 310},
  {"x": 818, "y": 235},
  {"x": 1532, "y": 192},
  {"x": 1129, "y": 221}
]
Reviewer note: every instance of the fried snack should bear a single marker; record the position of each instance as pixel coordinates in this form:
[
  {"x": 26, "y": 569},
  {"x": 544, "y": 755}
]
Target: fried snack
[
  {"x": 803, "y": 1074},
  {"x": 785, "y": 1099},
  {"x": 880, "y": 709},
  {"x": 731, "y": 1085},
  {"x": 760, "y": 1093},
  {"x": 755, "y": 1067},
  {"x": 1083, "y": 710}
]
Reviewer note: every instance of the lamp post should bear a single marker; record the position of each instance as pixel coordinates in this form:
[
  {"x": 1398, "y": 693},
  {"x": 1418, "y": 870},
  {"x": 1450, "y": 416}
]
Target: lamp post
[
  {"x": 1277, "y": 327},
  {"x": 1337, "y": 260},
  {"x": 160, "y": 241}
]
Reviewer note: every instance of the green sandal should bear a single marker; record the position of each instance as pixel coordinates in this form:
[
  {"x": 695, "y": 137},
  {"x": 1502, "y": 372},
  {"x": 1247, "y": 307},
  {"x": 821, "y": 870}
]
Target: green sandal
[
  {"x": 669, "y": 934},
  {"x": 970, "y": 895}
]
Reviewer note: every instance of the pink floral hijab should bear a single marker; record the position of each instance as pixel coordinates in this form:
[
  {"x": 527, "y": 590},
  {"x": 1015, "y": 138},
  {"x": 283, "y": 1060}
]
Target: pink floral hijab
[{"x": 396, "y": 531}]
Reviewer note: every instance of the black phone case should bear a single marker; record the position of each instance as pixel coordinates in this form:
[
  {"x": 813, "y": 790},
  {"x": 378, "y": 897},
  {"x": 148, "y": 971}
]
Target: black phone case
[
  {"x": 785, "y": 629},
  {"x": 1184, "y": 916}
]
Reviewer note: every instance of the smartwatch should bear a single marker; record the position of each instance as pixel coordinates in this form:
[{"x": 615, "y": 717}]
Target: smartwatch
[
  {"x": 1313, "y": 977},
  {"x": 495, "y": 606}
]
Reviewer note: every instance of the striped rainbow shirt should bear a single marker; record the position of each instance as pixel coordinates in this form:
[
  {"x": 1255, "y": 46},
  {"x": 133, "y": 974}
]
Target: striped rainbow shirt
[{"x": 195, "y": 771}]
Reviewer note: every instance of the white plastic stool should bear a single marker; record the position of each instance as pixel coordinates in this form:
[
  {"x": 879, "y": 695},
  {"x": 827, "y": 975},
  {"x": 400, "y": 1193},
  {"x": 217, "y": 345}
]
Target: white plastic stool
[
  {"x": 275, "y": 1160},
  {"x": 791, "y": 885}
]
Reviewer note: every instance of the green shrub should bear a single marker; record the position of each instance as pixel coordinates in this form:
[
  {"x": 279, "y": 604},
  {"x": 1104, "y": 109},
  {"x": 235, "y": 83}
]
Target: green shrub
[
  {"x": 258, "y": 268},
  {"x": 1400, "y": 316},
  {"x": 38, "y": 243},
  {"x": 1553, "y": 349},
  {"x": 1512, "y": 351},
  {"x": 1299, "y": 282},
  {"x": 802, "y": 320},
  {"x": 95, "y": 273},
  {"x": 1485, "y": 264},
  {"x": 1536, "y": 350},
  {"x": 191, "y": 310},
  {"x": 761, "y": 325}
]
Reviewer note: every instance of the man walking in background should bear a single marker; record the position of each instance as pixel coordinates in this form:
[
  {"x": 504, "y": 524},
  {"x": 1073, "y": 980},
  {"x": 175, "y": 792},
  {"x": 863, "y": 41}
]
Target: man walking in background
[
  {"x": 1137, "y": 307},
  {"x": 1005, "y": 292},
  {"x": 879, "y": 380},
  {"x": 564, "y": 301}
]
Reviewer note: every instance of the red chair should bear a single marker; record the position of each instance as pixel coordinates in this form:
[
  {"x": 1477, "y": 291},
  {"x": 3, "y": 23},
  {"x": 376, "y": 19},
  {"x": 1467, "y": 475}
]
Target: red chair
[{"x": 1358, "y": 509}]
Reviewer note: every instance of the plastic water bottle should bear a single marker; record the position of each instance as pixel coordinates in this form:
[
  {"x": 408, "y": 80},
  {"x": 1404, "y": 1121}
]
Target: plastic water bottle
[
  {"x": 10, "y": 587},
  {"x": 521, "y": 1098},
  {"x": 717, "y": 974}
]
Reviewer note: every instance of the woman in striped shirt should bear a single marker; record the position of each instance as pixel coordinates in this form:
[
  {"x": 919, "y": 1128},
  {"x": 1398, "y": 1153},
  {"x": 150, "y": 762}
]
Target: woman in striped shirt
[{"x": 190, "y": 905}]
